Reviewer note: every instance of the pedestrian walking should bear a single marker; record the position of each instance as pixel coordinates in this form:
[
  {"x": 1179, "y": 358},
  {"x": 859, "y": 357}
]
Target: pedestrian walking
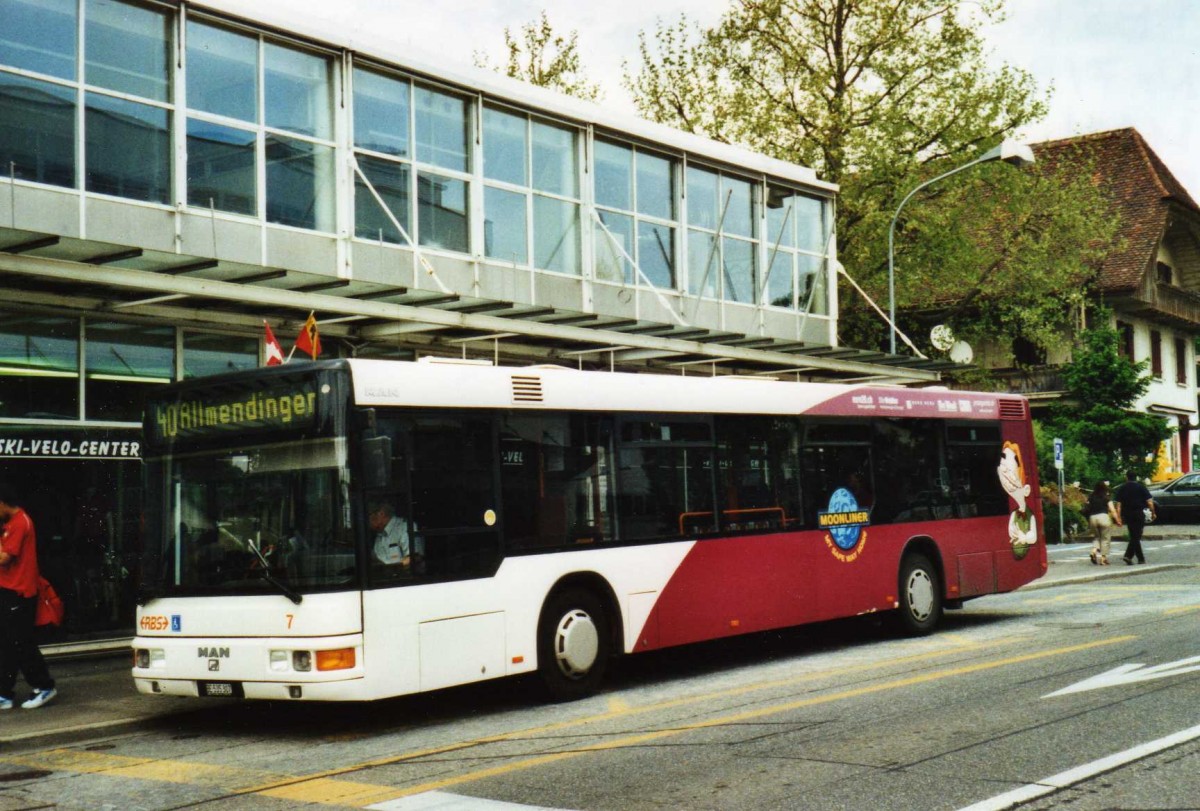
[
  {"x": 18, "y": 606},
  {"x": 1101, "y": 516},
  {"x": 1133, "y": 503}
]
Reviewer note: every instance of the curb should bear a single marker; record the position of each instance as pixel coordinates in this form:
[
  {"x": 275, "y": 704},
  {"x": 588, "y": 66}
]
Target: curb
[{"x": 1124, "y": 571}]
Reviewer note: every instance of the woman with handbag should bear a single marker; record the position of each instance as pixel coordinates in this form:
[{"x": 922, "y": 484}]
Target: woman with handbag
[{"x": 1101, "y": 516}]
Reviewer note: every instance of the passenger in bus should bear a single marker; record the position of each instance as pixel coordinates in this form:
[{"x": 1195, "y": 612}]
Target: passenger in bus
[{"x": 393, "y": 544}]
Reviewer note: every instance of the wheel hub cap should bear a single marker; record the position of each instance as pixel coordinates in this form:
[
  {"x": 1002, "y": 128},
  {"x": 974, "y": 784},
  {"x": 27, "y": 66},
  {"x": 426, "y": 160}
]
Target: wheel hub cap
[
  {"x": 576, "y": 644},
  {"x": 920, "y": 595}
]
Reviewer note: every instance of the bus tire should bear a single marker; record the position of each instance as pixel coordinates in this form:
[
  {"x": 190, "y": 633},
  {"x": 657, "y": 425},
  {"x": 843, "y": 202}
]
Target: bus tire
[
  {"x": 920, "y": 596},
  {"x": 574, "y": 644}
]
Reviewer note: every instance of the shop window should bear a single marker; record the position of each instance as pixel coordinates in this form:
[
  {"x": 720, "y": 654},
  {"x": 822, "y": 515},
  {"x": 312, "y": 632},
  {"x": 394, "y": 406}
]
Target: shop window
[
  {"x": 222, "y": 72},
  {"x": 128, "y": 49},
  {"x": 128, "y": 152},
  {"x": 557, "y": 489},
  {"x": 123, "y": 364},
  {"x": 39, "y": 367},
  {"x": 39, "y": 35},
  {"x": 37, "y": 130},
  {"x": 207, "y": 354}
]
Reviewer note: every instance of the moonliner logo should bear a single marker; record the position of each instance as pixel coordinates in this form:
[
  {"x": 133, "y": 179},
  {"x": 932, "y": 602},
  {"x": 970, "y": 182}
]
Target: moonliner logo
[{"x": 846, "y": 525}]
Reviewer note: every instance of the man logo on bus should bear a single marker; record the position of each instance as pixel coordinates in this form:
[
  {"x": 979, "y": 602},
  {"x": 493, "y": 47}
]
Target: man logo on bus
[
  {"x": 846, "y": 524},
  {"x": 1022, "y": 524}
]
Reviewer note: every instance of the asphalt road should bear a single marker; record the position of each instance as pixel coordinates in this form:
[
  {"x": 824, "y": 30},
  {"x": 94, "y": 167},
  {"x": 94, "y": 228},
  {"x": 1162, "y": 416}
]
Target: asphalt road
[{"x": 1084, "y": 695}]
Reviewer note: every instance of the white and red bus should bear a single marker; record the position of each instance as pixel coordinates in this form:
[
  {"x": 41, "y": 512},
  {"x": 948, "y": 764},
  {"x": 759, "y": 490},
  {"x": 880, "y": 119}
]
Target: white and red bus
[{"x": 546, "y": 519}]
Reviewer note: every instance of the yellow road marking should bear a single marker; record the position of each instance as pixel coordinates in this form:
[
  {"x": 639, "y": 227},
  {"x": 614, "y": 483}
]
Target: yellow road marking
[{"x": 1183, "y": 609}]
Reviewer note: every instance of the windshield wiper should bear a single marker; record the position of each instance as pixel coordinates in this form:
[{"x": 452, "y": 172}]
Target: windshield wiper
[{"x": 266, "y": 575}]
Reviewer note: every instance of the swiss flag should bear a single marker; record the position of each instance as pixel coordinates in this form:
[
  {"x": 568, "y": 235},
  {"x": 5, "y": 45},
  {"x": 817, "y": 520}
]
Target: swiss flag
[{"x": 273, "y": 350}]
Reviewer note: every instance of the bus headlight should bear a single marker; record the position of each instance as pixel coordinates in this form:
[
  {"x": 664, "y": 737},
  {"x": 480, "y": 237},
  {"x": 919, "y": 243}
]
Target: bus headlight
[
  {"x": 340, "y": 659},
  {"x": 302, "y": 660},
  {"x": 145, "y": 658},
  {"x": 280, "y": 661}
]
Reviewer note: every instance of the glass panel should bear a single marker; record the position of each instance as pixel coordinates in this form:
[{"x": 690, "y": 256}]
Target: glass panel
[
  {"x": 556, "y": 489},
  {"x": 39, "y": 367},
  {"x": 39, "y": 35},
  {"x": 221, "y": 167},
  {"x": 128, "y": 49},
  {"x": 37, "y": 131},
  {"x": 555, "y": 160},
  {"x": 703, "y": 260},
  {"x": 125, "y": 364},
  {"x": 128, "y": 149},
  {"x": 655, "y": 186},
  {"x": 827, "y": 468},
  {"x": 299, "y": 183},
  {"x": 390, "y": 180},
  {"x": 611, "y": 264},
  {"x": 810, "y": 222},
  {"x": 973, "y": 482},
  {"x": 441, "y": 129},
  {"x": 811, "y": 289},
  {"x": 222, "y": 72},
  {"x": 297, "y": 91},
  {"x": 442, "y": 212},
  {"x": 381, "y": 113},
  {"x": 664, "y": 492},
  {"x": 281, "y": 504},
  {"x": 782, "y": 213},
  {"x": 779, "y": 282},
  {"x": 739, "y": 219},
  {"x": 206, "y": 354},
  {"x": 656, "y": 254},
  {"x": 613, "y": 175},
  {"x": 738, "y": 268},
  {"x": 504, "y": 145},
  {"x": 759, "y": 475},
  {"x": 907, "y": 454},
  {"x": 504, "y": 226},
  {"x": 555, "y": 235},
  {"x": 703, "y": 203}
]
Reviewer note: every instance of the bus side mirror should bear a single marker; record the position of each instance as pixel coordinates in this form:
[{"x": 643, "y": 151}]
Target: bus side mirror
[{"x": 377, "y": 462}]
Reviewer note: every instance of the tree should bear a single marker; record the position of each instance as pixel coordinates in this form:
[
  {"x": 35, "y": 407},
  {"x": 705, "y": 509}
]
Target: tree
[
  {"x": 546, "y": 59},
  {"x": 1097, "y": 413},
  {"x": 878, "y": 96}
]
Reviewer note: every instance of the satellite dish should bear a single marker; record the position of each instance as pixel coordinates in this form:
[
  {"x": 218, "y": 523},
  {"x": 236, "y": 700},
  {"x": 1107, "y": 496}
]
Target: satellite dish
[
  {"x": 942, "y": 337},
  {"x": 961, "y": 352}
]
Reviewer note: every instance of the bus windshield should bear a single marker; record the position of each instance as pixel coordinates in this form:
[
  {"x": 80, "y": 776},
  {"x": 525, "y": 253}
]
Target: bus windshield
[{"x": 263, "y": 518}]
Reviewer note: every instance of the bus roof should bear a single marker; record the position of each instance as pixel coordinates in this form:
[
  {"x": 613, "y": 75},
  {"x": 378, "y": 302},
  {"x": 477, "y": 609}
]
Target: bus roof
[{"x": 440, "y": 383}]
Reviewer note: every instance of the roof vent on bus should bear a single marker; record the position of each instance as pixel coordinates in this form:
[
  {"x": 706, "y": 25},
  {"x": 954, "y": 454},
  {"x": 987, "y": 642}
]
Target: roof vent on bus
[
  {"x": 526, "y": 389},
  {"x": 1012, "y": 409}
]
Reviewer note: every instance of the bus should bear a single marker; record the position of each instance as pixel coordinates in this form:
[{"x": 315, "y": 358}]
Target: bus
[{"x": 359, "y": 529}]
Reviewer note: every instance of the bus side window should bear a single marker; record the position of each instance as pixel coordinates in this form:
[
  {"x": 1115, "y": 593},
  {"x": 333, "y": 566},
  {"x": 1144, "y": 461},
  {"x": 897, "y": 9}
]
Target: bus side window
[{"x": 759, "y": 478}]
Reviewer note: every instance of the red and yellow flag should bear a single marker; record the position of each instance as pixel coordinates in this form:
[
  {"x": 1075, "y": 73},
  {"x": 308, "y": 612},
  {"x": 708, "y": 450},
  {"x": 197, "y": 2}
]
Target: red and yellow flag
[{"x": 309, "y": 340}]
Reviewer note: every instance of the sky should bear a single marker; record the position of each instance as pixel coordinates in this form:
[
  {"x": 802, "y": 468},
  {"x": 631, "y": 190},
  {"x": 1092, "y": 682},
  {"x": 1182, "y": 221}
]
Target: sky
[{"x": 1109, "y": 63}]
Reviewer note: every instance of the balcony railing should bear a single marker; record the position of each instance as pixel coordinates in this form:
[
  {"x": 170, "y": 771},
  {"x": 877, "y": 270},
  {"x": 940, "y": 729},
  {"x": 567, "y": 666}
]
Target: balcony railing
[
  {"x": 1031, "y": 381},
  {"x": 1173, "y": 304}
]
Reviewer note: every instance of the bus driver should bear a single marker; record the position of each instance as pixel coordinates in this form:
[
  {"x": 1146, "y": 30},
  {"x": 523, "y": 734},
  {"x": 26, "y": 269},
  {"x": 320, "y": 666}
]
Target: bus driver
[{"x": 392, "y": 543}]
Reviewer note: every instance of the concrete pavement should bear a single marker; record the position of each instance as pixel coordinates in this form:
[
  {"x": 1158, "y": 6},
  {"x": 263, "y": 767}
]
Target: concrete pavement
[{"x": 96, "y": 694}]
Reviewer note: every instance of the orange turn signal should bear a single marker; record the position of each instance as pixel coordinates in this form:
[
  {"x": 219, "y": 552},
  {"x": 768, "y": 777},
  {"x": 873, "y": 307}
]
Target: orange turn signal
[{"x": 340, "y": 659}]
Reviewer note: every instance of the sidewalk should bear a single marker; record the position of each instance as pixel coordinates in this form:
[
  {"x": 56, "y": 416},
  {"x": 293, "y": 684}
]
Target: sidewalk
[{"x": 97, "y": 697}]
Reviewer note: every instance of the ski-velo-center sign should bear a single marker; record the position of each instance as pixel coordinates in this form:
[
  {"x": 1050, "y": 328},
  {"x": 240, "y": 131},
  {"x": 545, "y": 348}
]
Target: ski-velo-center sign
[{"x": 68, "y": 447}]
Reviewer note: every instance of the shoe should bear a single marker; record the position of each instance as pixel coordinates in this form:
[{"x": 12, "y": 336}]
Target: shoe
[
  {"x": 39, "y": 698},
  {"x": 5, "y": 703},
  {"x": 1128, "y": 561},
  {"x": 1104, "y": 561},
  {"x": 1095, "y": 560}
]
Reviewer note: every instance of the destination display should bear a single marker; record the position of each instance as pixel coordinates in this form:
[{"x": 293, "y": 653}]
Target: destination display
[{"x": 201, "y": 414}]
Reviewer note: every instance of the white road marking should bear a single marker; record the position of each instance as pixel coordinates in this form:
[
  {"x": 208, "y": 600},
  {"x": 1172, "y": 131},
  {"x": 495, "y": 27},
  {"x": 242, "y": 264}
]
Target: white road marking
[
  {"x": 1057, "y": 782},
  {"x": 445, "y": 801},
  {"x": 1129, "y": 674}
]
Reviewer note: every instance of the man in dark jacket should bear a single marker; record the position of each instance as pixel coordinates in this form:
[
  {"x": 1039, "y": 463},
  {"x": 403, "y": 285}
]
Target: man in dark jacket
[{"x": 1133, "y": 499}]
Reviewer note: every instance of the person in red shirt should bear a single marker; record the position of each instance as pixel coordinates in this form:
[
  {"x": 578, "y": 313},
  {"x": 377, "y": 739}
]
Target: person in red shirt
[{"x": 18, "y": 604}]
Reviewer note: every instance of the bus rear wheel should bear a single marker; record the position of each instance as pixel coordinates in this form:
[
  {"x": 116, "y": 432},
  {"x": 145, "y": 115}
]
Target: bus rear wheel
[
  {"x": 920, "y": 596},
  {"x": 574, "y": 644}
]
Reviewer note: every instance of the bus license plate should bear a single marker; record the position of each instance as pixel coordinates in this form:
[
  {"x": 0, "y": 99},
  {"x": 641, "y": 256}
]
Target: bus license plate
[{"x": 222, "y": 689}]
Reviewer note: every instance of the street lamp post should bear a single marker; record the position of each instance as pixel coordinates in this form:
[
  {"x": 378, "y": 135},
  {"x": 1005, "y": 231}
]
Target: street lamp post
[{"x": 1010, "y": 152}]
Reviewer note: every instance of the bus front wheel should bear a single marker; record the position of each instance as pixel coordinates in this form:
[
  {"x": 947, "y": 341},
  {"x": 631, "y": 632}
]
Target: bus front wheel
[
  {"x": 574, "y": 644},
  {"x": 920, "y": 596}
]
